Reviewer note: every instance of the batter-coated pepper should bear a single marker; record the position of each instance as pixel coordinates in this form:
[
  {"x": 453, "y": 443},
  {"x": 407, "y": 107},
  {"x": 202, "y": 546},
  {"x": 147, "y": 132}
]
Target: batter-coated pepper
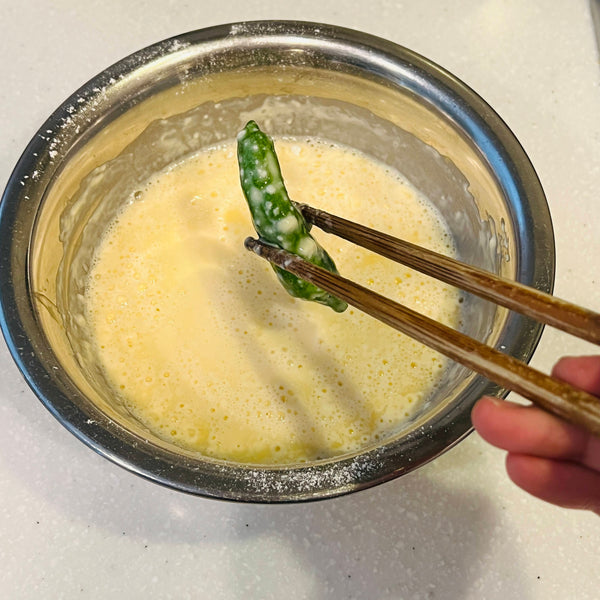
[{"x": 276, "y": 220}]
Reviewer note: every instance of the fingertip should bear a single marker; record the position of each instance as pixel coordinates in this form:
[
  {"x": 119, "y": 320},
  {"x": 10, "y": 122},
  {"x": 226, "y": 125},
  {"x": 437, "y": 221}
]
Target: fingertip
[
  {"x": 528, "y": 472},
  {"x": 559, "y": 482},
  {"x": 493, "y": 419},
  {"x": 485, "y": 410}
]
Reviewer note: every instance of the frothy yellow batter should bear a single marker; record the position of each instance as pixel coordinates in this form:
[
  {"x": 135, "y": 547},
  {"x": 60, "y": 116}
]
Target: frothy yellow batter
[{"x": 208, "y": 350}]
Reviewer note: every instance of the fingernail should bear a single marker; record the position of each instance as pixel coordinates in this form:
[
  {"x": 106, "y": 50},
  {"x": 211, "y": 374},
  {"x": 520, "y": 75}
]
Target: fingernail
[{"x": 495, "y": 401}]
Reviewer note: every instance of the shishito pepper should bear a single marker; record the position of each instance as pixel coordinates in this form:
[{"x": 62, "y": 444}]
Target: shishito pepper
[{"x": 276, "y": 220}]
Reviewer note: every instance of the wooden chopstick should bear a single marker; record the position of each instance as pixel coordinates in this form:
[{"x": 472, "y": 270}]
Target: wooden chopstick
[
  {"x": 553, "y": 395},
  {"x": 528, "y": 301}
]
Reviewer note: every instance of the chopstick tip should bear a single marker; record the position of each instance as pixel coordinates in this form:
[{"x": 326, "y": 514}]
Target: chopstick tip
[{"x": 251, "y": 244}]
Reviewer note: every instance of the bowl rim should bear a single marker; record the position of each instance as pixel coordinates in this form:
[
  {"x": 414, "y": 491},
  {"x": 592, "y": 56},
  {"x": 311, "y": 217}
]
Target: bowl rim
[{"x": 250, "y": 483}]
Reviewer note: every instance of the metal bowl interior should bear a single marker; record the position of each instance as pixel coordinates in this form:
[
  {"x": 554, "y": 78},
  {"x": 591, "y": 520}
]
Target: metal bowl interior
[{"x": 303, "y": 79}]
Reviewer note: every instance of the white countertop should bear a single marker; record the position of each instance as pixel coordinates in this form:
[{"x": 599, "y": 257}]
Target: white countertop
[{"x": 73, "y": 525}]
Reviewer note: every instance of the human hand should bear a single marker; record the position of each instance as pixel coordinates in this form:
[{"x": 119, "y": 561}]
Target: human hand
[{"x": 547, "y": 457}]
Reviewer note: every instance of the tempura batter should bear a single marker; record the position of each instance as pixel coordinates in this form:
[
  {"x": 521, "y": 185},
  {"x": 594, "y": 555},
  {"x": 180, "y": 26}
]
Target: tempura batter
[{"x": 208, "y": 350}]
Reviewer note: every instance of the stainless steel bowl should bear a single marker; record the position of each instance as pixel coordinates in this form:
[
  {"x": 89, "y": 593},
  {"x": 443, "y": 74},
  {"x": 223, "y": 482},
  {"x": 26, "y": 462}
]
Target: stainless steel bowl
[{"x": 379, "y": 97}]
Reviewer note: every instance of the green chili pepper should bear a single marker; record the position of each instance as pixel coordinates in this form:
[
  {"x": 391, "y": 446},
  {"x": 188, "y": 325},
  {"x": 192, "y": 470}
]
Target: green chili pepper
[{"x": 276, "y": 220}]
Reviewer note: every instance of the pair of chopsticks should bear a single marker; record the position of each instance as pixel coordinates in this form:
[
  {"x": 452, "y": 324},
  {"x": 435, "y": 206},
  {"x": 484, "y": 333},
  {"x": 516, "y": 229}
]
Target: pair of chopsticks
[{"x": 553, "y": 395}]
